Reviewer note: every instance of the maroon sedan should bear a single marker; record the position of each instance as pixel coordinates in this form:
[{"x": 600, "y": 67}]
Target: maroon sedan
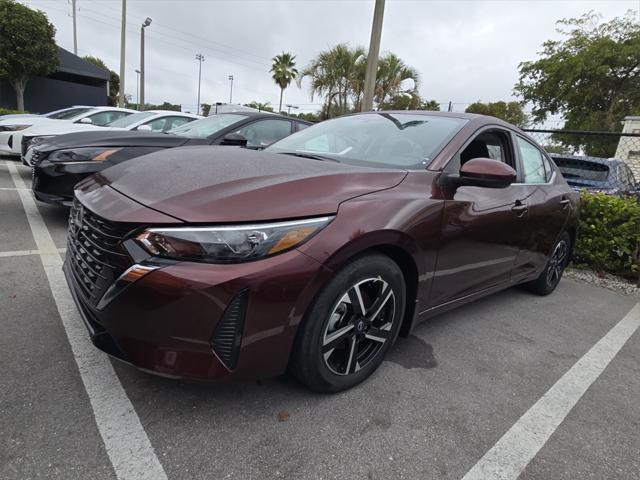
[{"x": 314, "y": 254}]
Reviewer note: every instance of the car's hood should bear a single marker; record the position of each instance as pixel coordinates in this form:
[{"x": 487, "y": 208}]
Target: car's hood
[
  {"x": 60, "y": 128},
  {"x": 100, "y": 137},
  {"x": 207, "y": 184},
  {"x": 35, "y": 120}
]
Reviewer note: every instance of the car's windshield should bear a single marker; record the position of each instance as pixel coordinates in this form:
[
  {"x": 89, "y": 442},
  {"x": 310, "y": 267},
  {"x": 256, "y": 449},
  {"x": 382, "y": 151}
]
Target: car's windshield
[
  {"x": 124, "y": 122},
  {"x": 207, "y": 126},
  {"x": 396, "y": 140},
  {"x": 66, "y": 114}
]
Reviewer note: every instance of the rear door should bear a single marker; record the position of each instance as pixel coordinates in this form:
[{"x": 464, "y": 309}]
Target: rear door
[{"x": 548, "y": 203}]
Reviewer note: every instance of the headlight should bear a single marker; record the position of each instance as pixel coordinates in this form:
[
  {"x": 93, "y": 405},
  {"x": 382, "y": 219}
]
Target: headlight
[
  {"x": 39, "y": 140},
  {"x": 13, "y": 128},
  {"x": 229, "y": 244},
  {"x": 94, "y": 154}
]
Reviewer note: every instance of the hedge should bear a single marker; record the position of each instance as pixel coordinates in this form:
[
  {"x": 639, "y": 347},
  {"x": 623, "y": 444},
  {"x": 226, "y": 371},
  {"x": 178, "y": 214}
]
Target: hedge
[
  {"x": 608, "y": 237},
  {"x": 5, "y": 111}
]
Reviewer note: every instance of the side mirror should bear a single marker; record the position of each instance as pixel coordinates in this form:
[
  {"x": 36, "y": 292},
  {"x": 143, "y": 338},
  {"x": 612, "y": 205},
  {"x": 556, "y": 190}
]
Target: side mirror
[
  {"x": 144, "y": 128},
  {"x": 234, "y": 139},
  {"x": 86, "y": 120},
  {"x": 482, "y": 172}
]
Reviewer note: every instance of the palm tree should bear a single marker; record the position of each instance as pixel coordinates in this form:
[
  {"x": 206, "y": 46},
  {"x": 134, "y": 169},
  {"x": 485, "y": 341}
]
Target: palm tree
[
  {"x": 283, "y": 71},
  {"x": 334, "y": 75},
  {"x": 392, "y": 73}
]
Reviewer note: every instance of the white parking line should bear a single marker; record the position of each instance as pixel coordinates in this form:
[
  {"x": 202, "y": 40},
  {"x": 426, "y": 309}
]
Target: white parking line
[
  {"x": 22, "y": 253},
  {"x": 508, "y": 458},
  {"x": 125, "y": 440}
]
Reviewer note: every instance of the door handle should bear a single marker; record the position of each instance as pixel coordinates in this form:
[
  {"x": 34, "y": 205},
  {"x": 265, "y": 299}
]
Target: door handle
[
  {"x": 565, "y": 202},
  {"x": 519, "y": 208}
]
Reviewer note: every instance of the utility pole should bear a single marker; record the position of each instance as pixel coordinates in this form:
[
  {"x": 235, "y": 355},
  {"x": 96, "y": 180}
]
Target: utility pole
[
  {"x": 138, "y": 90},
  {"x": 231, "y": 91},
  {"x": 372, "y": 58},
  {"x": 123, "y": 31},
  {"x": 75, "y": 32},
  {"x": 145, "y": 24},
  {"x": 200, "y": 59}
]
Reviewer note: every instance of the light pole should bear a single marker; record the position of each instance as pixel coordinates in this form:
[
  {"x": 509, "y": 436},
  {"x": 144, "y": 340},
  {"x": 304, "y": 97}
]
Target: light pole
[
  {"x": 372, "y": 57},
  {"x": 145, "y": 24},
  {"x": 123, "y": 36},
  {"x": 289, "y": 107},
  {"x": 138, "y": 90},
  {"x": 231, "y": 91},
  {"x": 200, "y": 59},
  {"x": 75, "y": 32}
]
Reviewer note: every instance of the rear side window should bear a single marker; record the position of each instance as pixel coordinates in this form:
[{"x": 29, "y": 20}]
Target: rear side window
[
  {"x": 102, "y": 118},
  {"x": 532, "y": 162},
  {"x": 548, "y": 167},
  {"x": 263, "y": 133},
  {"x": 301, "y": 126}
]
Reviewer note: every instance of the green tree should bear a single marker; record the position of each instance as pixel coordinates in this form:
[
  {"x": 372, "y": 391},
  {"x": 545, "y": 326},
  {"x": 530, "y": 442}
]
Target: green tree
[
  {"x": 508, "y": 111},
  {"x": 431, "y": 105},
  {"x": 337, "y": 75},
  {"x": 591, "y": 77},
  {"x": 392, "y": 74},
  {"x": 27, "y": 46},
  {"x": 206, "y": 108},
  {"x": 114, "y": 79},
  {"x": 262, "y": 107},
  {"x": 283, "y": 71}
]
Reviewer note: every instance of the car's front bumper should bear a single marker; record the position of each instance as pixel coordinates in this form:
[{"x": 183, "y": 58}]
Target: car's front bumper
[
  {"x": 167, "y": 321},
  {"x": 54, "y": 182}
]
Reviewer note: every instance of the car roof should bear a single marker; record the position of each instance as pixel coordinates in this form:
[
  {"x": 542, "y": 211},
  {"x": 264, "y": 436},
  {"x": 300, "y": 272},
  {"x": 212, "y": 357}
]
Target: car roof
[
  {"x": 172, "y": 112},
  {"x": 264, "y": 115},
  {"x": 587, "y": 159}
]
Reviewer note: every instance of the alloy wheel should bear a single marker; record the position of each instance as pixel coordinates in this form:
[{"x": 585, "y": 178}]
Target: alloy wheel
[
  {"x": 557, "y": 263},
  {"x": 359, "y": 326}
]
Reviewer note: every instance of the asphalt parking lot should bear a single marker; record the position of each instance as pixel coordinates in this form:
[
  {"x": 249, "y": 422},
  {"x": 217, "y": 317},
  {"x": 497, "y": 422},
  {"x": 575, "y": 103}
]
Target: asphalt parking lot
[{"x": 511, "y": 385}]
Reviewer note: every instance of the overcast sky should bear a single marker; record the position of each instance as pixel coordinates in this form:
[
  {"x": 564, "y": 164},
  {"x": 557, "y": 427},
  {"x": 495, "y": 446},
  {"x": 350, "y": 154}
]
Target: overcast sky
[{"x": 464, "y": 50}]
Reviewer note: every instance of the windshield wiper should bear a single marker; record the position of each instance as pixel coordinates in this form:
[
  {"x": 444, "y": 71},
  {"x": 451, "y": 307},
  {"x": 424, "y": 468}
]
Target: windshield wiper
[{"x": 312, "y": 156}]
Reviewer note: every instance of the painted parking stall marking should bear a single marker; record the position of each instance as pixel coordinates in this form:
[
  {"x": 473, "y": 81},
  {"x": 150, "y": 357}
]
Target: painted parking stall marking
[
  {"x": 125, "y": 440},
  {"x": 22, "y": 253},
  {"x": 508, "y": 458}
]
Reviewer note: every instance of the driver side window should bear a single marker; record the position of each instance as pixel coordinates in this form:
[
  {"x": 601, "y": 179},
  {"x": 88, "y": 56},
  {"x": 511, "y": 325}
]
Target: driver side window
[{"x": 493, "y": 144}]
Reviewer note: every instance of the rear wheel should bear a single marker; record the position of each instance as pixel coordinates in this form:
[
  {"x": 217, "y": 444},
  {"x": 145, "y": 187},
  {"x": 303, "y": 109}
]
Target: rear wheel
[
  {"x": 351, "y": 325},
  {"x": 551, "y": 275}
]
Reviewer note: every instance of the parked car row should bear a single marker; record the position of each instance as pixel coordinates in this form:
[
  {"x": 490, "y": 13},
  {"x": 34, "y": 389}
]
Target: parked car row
[
  {"x": 311, "y": 250},
  {"x": 60, "y": 162}
]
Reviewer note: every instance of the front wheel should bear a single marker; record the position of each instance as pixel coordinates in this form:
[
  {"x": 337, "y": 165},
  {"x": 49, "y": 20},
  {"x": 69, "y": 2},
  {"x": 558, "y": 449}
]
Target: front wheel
[
  {"x": 551, "y": 275},
  {"x": 351, "y": 325}
]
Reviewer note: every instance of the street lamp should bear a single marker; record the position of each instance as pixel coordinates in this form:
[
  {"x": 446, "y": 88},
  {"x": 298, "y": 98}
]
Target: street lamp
[
  {"x": 138, "y": 90},
  {"x": 289, "y": 107},
  {"x": 145, "y": 24},
  {"x": 200, "y": 59},
  {"x": 231, "y": 91}
]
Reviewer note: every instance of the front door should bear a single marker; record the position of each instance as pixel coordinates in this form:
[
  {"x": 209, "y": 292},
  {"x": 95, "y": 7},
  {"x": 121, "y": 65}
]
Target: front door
[{"x": 482, "y": 228}]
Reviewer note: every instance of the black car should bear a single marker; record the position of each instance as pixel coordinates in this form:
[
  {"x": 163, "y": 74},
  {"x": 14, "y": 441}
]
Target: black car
[
  {"x": 595, "y": 174},
  {"x": 61, "y": 162}
]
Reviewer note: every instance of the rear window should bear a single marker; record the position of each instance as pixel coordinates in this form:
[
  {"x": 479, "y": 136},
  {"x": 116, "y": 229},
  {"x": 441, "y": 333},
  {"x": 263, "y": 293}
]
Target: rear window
[{"x": 580, "y": 169}]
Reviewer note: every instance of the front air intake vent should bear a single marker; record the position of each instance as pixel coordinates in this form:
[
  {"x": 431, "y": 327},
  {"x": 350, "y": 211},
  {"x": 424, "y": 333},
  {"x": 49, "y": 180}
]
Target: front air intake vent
[{"x": 227, "y": 336}]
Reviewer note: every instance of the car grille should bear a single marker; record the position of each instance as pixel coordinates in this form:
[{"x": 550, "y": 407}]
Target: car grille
[
  {"x": 95, "y": 252},
  {"x": 24, "y": 146}
]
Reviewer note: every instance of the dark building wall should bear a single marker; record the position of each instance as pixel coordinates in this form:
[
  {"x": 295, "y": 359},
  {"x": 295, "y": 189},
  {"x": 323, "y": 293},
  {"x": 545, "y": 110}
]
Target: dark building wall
[{"x": 46, "y": 94}]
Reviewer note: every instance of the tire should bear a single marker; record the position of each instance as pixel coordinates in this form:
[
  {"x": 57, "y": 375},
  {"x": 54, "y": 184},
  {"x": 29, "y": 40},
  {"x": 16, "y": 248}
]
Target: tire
[
  {"x": 337, "y": 347},
  {"x": 552, "y": 273}
]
